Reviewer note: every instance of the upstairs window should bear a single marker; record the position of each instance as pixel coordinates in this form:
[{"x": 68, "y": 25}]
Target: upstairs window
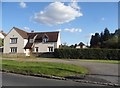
[
  {"x": 31, "y": 40},
  {"x": 13, "y": 40},
  {"x": 45, "y": 39}
]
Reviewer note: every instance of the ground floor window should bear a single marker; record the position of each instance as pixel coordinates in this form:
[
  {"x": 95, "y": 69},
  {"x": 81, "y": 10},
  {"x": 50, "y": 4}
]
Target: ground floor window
[
  {"x": 36, "y": 49},
  {"x": 50, "y": 49},
  {"x": 13, "y": 49}
]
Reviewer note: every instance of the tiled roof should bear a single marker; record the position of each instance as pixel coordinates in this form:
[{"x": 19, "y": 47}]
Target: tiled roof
[
  {"x": 81, "y": 44},
  {"x": 52, "y": 36},
  {"x": 3, "y": 33},
  {"x": 28, "y": 46},
  {"x": 21, "y": 32}
]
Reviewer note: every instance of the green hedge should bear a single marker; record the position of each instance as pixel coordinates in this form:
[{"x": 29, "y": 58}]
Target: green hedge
[{"x": 111, "y": 54}]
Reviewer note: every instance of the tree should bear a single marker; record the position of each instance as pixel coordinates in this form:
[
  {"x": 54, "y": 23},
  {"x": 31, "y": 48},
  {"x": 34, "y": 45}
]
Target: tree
[
  {"x": 95, "y": 41},
  {"x": 101, "y": 39},
  {"x": 1, "y": 42},
  {"x": 106, "y": 34}
]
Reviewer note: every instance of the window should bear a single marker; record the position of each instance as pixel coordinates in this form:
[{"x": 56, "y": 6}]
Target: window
[
  {"x": 13, "y": 49},
  {"x": 36, "y": 49},
  {"x": 50, "y": 49},
  {"x": 13, "y": 40},
  {"x": 31, "y": 40},
  {"x": 45, "y": 40}
]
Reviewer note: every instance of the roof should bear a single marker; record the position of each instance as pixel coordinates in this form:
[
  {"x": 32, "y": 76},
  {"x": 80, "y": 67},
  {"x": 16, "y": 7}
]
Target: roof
[
  {"x": 28, "y": 46},
  {"x": 81, "y": 44},
  {"x": 52, "y": 36},
  {"x": 21, "y": 32},
  {"x": 4, "y": 34}
]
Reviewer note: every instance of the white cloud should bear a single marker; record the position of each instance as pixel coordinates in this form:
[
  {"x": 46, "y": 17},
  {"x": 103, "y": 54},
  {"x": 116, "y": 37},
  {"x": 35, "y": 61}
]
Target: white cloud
[
  {"x": 102, "y": 18},
  {"x": 75, "y": 5},
  {"x": 59, "y": 30},
  {"x": 92, "y": 34},
  {"x": 23, "y": 5},
  {"x": 26, "y": 28},
  {"x": 71, "y": 30},
  {"x": 57, "y": 13}
]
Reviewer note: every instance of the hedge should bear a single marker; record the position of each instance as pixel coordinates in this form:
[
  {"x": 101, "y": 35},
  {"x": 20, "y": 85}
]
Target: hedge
[{"x": 71, "y": 53}]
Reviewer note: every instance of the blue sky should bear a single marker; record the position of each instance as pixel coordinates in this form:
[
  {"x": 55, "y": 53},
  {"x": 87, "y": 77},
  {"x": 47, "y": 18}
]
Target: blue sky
[{"x": 81, "y": 19}]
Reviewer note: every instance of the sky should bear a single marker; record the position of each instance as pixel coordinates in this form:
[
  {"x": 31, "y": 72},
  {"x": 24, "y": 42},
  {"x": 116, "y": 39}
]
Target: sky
[{"x": 76, "y": 21}]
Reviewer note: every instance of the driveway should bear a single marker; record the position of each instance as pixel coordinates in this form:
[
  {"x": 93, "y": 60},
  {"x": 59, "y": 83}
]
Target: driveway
[{"x": 103, "y": 71}]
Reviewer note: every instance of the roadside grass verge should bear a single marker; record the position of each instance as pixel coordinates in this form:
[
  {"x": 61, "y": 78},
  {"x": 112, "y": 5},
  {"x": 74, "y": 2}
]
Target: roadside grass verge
[
  {"x": 47, "y": 68},
  {"x": 85, "y": 60},
  {"x": 16, "y": 56},
  {"x": 81, "y": 60},
  {"x": 101, "y": 61}
]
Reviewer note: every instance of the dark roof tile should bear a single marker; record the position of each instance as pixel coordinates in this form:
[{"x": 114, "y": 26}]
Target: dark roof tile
[
  {"x": 28, "y": 46},
  {"x": 21, "y": 32}
]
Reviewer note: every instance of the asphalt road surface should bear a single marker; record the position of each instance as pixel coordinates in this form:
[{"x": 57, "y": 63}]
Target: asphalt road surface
[
  {"x": 9, "y": 79},
  {"x": 106, "y": 71}
]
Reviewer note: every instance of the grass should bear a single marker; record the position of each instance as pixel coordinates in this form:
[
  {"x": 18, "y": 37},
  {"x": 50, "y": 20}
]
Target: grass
[
  {"x": 102, "y": 61},
  {"x": 81, "y": 60},
  {"x": 16, "y": 56},
  {"x": 47, "y": 68}
]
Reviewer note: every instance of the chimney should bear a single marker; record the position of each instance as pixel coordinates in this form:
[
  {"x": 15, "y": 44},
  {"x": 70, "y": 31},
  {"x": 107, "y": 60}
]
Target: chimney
[{"x": 32, "y": 31}]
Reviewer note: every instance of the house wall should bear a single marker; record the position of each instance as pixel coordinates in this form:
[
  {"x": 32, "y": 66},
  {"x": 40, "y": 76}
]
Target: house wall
[
  {"x": 25, "y": 42},
  {"x": 58, "y": 41},
  {"x": 80, "y": 47},
  {"x": 43, "y": 47},
  {"x": 20, "y": 42},
  {"x": 2, "y": 36}
]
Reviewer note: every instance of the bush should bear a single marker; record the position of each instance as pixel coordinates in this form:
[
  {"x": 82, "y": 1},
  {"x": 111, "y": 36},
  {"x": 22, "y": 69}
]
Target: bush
[{"x": 71, "y": 53}]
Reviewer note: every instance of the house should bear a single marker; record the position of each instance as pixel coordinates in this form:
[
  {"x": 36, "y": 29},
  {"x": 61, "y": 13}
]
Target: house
[
  {"x": 2, "y": 36},
  {"x": 81, "y": 45},
  {"x": 19, "y": 41}
]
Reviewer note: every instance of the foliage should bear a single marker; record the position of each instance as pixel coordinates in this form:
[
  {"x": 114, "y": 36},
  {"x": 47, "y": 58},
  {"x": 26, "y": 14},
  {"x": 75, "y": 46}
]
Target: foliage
[
  {"x": 106, "y": 39},
  {"x": 1, "y": 42},
  {"x": 101, "y": 54}
]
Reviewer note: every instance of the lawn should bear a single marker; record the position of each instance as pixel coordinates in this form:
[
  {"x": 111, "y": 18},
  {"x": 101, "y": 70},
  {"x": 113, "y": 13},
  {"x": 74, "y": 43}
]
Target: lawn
[{"x": 47, "y": 68}]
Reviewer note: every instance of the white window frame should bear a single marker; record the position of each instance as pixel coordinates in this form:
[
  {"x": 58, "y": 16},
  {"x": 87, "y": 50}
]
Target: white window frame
[
  {"x": 31, "y": 40},
  {"x": 51, "y": 49},
  {"x": 13, "y": 40},
  {"x": 36, "y": 49}
]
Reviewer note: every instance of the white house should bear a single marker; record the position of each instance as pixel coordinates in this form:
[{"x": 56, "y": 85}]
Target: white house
[
  {"x": 18, "y": 41},
  {"x": 2, "y": 36},
  {"x": 81, "y": 45}
]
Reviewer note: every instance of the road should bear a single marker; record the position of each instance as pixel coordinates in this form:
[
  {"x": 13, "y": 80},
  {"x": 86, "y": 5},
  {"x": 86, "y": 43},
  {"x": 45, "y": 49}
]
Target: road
[
  {"x": 10, "y": 79},
  {"x": 106, "y": 71}
]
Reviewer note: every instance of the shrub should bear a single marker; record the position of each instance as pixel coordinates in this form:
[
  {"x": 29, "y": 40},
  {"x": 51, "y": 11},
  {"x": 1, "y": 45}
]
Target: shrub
[{"x": 71, "y": 53}]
